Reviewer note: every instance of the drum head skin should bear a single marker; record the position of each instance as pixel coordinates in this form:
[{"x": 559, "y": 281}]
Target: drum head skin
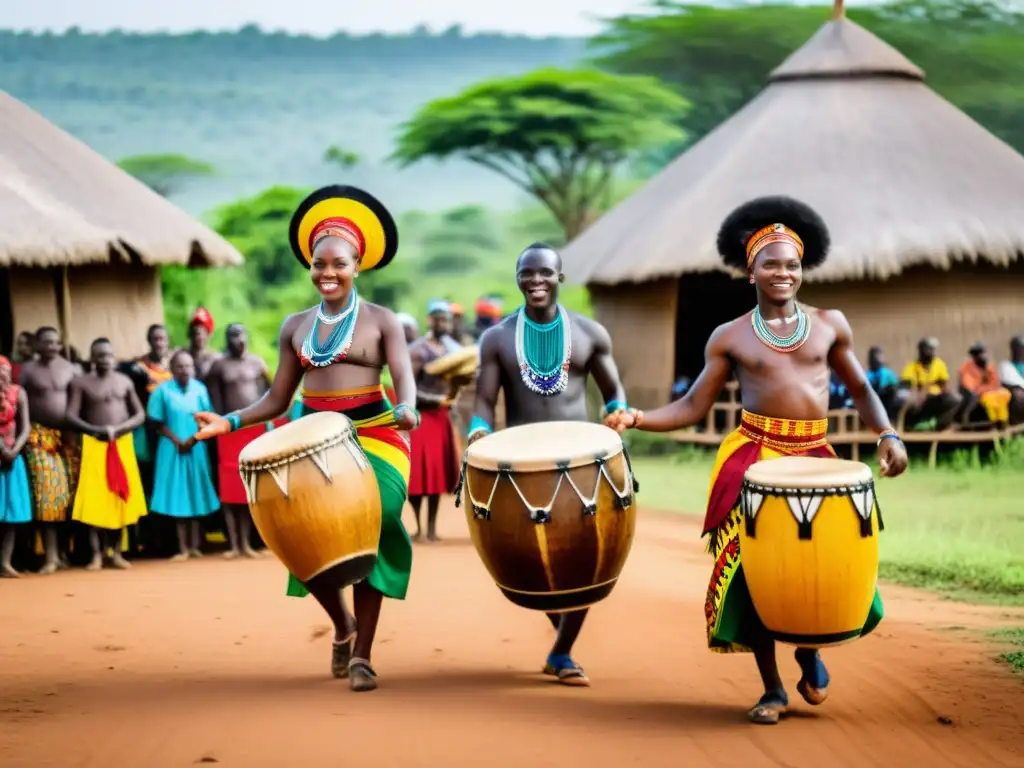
[
  {"x": 799, "y": 472},
  {"x": 544, "y": 447},
  {"x": 304, "y": 434}
]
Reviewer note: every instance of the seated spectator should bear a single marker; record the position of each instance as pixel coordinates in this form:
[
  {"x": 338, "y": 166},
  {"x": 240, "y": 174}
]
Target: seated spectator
[
  {"x": 885, "y": 382},
  {"x": 933, "y": 405},
  {"x": 838, "y": 395},
  {"x": 1011, "y": 376},
  {"x": 980, "y": 384}
]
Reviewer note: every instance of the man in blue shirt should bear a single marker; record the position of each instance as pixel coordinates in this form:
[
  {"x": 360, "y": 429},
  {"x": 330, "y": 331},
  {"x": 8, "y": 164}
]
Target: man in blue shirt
[{"x": 885, "y": 382}]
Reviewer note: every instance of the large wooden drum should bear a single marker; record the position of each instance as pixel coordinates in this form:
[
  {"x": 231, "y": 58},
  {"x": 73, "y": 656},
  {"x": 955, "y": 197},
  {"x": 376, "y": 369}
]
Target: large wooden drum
[
  {"x": 809, "y": 547},
  {"x": 314, "y": 499},
  {"x": 551, "y": 510}
]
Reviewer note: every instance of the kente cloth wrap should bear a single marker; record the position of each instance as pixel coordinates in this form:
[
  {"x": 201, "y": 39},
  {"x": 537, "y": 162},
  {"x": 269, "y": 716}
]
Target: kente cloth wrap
[
  {"x": 229, "y": 446},
  {"x": 388, "y": 454},
  {"x": 732, "y": 621},
  {"x": 110, "y": 493},
  {"x": 47, "y": 458}
]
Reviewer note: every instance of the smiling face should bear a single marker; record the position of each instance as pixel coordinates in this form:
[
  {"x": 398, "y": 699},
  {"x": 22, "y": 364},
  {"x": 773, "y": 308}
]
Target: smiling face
[
  {"x": 48, "y": 345},
  {"x": 538, "y": 274},
  {"x": 778, "y": 272},
  {"x": 334, "y": 267}
]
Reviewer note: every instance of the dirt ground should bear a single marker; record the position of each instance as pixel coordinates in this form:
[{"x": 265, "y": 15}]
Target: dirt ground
[{"x": 208, "y": 662}]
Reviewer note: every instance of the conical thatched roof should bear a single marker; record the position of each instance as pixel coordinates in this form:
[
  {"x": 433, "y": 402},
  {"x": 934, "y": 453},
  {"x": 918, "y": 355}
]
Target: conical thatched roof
[
  {"x": 61, "y": 203},
  {"x": 848, "y": 126}
]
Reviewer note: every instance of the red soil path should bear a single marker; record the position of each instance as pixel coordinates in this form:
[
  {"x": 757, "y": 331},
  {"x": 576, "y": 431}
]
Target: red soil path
[{"x": 208, "y": 662}]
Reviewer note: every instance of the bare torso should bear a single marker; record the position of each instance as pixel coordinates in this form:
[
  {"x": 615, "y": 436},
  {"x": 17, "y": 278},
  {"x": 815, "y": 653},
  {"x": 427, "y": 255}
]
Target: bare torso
[
  {"x": 237, "y": 382},
  {"x": 46, "y": 386},
  {"x": 105, "y": 398},
  {"x": 204, "y": 360},
  {"x": 793, "y": 385},
  {"x": 522, "y": 405},
  {"x": 430, "y": 390},
  {"x": 365, "y": 360}
]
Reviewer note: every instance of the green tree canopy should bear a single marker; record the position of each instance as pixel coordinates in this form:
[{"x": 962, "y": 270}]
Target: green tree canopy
[
  {"x": 720, "y": 58},
  {"x": 165, "y": 174},
  {"x": 559, "y": 135},
  {"x": 343, "y": 158}
]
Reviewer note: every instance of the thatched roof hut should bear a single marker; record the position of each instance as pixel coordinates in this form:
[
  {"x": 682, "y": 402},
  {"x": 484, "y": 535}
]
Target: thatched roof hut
[
  {"x": 922, "y": 202},
  {"x": 81, "y": 238}
]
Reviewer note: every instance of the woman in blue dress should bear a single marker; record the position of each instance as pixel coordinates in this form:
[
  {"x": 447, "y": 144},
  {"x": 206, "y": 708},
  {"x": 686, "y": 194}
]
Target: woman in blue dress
[
  {"x": 15, "y": 501},
  {"x": 182, "y": 485}
]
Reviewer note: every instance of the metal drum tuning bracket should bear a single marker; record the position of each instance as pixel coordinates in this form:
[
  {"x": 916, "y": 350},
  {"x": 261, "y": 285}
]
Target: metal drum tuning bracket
[{"x": 542, "y": 514}]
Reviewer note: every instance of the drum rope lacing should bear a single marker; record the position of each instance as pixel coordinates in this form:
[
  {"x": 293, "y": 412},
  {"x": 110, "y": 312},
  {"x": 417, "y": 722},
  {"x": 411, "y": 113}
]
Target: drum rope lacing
[
  {"x": 316, "y": 453},
  {"x": 804, "y": 503},
  {"x": 543, "y": 514}
]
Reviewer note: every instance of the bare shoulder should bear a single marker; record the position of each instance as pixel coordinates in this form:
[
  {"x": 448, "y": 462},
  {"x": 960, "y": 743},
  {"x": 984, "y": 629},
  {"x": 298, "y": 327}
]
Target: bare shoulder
[
  {"x": 834, "y": 318},
  {"x": 293, "y": 321},
  {"x": 492, "y": 338},
  {"x": 727, "y": 335},
  {"x": 597, "y": 332},
  {"x": 122, "y": 381},
  {"x": 381, "y": 316}
]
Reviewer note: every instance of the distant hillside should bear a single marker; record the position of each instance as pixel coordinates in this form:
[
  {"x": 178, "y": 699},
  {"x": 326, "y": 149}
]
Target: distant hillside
[{"x": 262, "y": 108}]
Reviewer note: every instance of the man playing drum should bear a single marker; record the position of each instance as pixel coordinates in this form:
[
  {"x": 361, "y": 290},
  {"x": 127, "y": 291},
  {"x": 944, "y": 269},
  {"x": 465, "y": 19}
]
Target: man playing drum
[
  {"x": 338, "y": 349},
  {"x": 540, "y": 357},
  {"x": 781, "y": 352}
]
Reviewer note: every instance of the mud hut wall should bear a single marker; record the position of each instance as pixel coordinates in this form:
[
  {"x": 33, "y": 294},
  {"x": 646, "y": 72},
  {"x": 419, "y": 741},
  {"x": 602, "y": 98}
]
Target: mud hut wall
[
  {"x": 966, "y": 304},
  {"x": 33, "y": 297},
  {"x": 116, "y": 302},
  {"x": 641, "y": 319}
]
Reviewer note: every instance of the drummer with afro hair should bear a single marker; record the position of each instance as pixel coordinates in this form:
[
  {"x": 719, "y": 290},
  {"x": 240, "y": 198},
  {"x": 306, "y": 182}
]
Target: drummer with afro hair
[
  {"x": 781, "y": 352},
  {"x": 513, "y": 360}
]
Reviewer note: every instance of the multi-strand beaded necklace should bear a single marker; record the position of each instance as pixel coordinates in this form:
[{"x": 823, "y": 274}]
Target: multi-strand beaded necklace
[
  {"x": 336, "y": 346},
  {"x": 771, "y": 340},
  {"x": 543, "y": 352}
]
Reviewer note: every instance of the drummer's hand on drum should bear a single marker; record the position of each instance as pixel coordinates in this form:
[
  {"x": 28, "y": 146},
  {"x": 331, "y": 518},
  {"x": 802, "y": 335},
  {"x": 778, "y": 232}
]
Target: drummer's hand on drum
[
  {"x": 211, "y": 425},
  {"x": 892, "y": 457}
]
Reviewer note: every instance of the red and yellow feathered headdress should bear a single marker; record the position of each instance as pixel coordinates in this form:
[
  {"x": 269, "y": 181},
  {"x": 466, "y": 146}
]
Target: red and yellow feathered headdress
[{"x": 351, "y": 214}]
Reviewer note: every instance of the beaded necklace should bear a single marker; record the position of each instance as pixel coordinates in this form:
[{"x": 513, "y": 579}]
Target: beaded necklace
[
  {"x": 335, "y": 347},
  {"x": 771, "y": 340},
  {"x": 543, "y": 352}
]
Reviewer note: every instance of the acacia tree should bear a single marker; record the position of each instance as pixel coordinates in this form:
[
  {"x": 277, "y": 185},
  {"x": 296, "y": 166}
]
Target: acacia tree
[
  {"x": 165, "y": 174},
  {"x": 559, "y": 135}
]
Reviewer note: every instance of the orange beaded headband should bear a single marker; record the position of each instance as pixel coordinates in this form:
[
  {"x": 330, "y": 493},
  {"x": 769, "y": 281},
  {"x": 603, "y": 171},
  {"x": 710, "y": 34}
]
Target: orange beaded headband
[{"x": 773, "y": 233}]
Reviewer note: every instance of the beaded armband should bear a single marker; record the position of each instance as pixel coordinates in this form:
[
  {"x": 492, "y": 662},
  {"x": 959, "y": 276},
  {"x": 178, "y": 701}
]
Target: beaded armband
[
  {"x": 402, "y": 408},
  {"x": 235, "y": 421},
  {"x": 888, "y": 434},
  {"x": 477, "y": 426},
  {"x": 615, "y": 405}
]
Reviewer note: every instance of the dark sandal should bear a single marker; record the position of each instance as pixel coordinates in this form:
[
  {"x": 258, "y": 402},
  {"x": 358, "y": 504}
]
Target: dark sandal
[
  {"x": 361, "y": 676},
  {"x": 813, "y": 685},
  {"x": 769, "y": 708},
  {"x": 341, "y": 655}
]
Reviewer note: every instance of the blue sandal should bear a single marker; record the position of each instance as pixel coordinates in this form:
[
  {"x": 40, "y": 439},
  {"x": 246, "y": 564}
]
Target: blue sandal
[
  {"x": 566, "y": 670},
  {"x": 769, "y": 708},
  {"x": 813, "y": 685}
]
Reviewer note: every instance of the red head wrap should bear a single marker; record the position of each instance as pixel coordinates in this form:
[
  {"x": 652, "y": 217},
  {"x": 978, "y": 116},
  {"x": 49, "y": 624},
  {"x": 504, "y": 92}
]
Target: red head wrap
[
  {"x": 204, "y": 318},
  {"x": 488, "y": 307},
  {"x": 346, "y": 229}
]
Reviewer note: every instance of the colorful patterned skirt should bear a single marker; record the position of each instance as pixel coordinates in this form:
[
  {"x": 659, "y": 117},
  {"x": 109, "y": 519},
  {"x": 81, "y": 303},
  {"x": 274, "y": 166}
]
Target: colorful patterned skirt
[
  {"x": 388, "y": 453},
  {"x": 732, "y": 622},
  {"x": 47, "y": 458}
]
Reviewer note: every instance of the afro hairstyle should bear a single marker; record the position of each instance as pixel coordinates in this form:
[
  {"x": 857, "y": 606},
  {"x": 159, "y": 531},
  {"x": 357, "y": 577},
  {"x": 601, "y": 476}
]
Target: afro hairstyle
[{"x": 743, "y": 222}]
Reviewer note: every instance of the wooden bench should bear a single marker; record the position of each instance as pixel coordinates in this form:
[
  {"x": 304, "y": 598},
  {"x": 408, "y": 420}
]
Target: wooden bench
[{"x": 847, "y": 429}]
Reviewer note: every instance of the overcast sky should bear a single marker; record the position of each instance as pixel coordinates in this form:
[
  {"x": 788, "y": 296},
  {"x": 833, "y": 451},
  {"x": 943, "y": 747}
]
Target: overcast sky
[{"x": 535, "y": 17}]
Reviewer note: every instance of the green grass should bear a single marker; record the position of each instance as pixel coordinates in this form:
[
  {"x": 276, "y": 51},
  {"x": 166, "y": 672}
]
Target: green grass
[
  {"x": 1015, "y": 638},
  {"x": 958, "y": 529}
]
